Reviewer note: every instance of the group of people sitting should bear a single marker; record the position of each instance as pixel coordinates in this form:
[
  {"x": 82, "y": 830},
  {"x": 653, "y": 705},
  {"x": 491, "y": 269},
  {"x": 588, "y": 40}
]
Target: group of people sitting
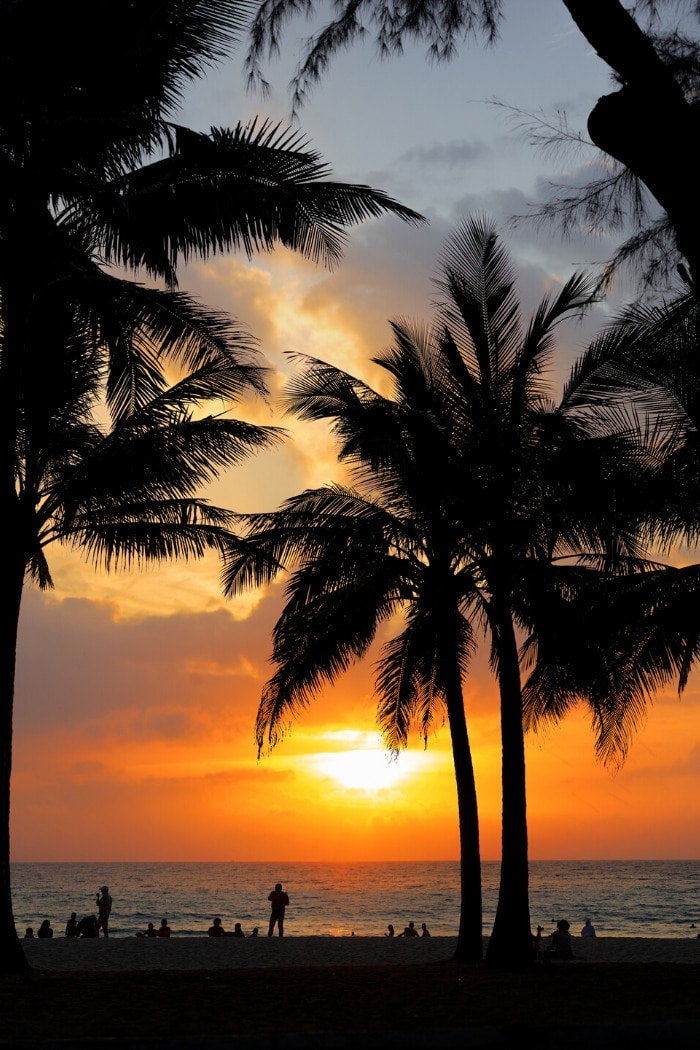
[
  {"x": 560, "y": 944},
  {"x": 44, "y": 932},
  {"x": 150, "y": 931},
  {"x": 87, "y": 927},
  {"x": 410, "y": 931},
  {"x": 217, "y": 930}
]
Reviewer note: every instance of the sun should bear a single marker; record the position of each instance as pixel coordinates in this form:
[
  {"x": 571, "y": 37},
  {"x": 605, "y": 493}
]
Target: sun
[
  {"x": 363, "y": 769},
  {"x": 355, "y": 762}
]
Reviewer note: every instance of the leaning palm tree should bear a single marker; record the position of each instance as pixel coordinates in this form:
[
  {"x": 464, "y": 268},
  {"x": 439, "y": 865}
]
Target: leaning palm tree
[
  {"x": 96, "y": 179},
  {"x": 469, "y": 481}
]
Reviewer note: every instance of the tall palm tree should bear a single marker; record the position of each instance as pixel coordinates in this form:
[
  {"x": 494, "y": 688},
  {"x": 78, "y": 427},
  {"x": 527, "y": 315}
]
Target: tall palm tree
[
  {"x": 481, "y": 490},
  {"x": 388, "y": 551},
  {"x": 94, "y": 174}
]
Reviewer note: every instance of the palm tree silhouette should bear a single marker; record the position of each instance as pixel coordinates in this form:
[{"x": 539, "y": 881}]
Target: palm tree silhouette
[
  {"x": 95, "y": 174},
  {"x": 474, "y": 497}
]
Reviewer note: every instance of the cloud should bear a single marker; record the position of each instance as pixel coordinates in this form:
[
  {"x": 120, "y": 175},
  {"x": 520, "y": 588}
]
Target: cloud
[
  {"x": 91, "y": 666},
  {"x": 446, "y": 155}
]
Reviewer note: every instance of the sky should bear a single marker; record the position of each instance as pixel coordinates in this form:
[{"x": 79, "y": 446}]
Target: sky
[{"x": 136, "y": 693}]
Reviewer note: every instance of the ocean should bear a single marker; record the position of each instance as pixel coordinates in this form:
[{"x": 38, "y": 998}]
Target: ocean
[{"x": 649, "y": 898}]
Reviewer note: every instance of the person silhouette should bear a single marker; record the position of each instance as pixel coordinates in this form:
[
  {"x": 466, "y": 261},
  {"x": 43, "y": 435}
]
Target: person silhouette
[
  {"x": 164, "y": 929},
  {"x": 425, "y": 930},
  {"x": 410, "y": 931},
  {"x": 216, "y": 929},
  {"x": 72, "y": 925},
  {"x": 390, "y": 931},
  {"x": 279, "y": 901},
  {"x": 588, "y": 929},
  {"x": 104, "y": 909},
  {"x": 560, "y": 942},
  {"x": 45, "y": 930}
]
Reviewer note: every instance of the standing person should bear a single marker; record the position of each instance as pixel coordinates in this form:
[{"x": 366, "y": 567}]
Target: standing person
[
  {"x": 72, "y": 925},
  {"x": 104, "y": 907},
  {"x": 588, "y": 929},
  {"x": 279, "y": 901}
]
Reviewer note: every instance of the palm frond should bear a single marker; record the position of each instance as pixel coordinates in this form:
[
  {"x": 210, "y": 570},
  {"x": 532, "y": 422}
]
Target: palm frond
[{"x": 241, "y": 190}]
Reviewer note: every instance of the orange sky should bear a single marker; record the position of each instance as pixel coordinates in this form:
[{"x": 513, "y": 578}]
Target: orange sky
[{"x": 134, "y": 740}]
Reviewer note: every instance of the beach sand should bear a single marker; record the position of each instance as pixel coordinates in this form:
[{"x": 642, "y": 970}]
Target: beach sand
[
  {"x": 230, "y": 953},
  {"x": 191, "y": 987}
]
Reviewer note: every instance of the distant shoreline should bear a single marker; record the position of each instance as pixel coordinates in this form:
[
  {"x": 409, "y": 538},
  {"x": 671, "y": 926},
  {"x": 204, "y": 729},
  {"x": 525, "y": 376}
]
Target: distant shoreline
[{"x": 205, "y": 953}]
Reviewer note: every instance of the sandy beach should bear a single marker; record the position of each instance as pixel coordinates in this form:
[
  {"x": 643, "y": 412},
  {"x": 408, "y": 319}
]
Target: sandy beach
[
  {"x": 228, "y": 953},
  {"x": 364, "y": 991}
]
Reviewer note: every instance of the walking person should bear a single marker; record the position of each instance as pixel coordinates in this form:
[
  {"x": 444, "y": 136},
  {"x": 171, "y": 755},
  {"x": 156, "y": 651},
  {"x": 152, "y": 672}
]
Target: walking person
[
  {"x": 279, "y": 901},
  {"x": 104, "y": 908}
]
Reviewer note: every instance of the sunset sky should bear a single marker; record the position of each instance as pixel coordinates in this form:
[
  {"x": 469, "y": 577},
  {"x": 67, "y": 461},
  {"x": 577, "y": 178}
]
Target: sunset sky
[{"x": 136, "y": 694}]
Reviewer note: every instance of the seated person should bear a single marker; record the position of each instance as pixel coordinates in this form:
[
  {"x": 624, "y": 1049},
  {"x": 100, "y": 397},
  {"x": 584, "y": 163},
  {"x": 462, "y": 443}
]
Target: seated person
[
  {"x": 560, "y": 942},
  {"x": 164, "y": 929},
  {"x": 216, "y": 930},
  {"x": 29, "y": 934},
  {"x": 150, "y": 931},
  {"x": 410, "y": 931},
  {"x": 72, "y": 925},
  {"x": 87, "y": 927},
  {"x": 588, "y": 929},
  {"x": 237, "y": 930},
  {"x": 45, "y": 930}
]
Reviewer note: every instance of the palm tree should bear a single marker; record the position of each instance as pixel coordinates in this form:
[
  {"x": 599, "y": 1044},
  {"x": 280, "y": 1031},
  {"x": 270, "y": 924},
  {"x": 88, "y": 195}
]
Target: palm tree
[
  {"x": 386, "y": 552},
  {"x": 95, "y": 174},
  {"x": 496, "y": 494}
]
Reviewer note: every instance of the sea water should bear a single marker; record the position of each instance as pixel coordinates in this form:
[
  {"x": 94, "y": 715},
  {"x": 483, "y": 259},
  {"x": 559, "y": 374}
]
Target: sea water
[{"x": 646, "y": 898}]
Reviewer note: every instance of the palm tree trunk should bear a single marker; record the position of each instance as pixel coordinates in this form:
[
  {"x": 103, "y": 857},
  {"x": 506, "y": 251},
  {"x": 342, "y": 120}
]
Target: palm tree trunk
[
  {"x": 647, "y": 125},
  {"x": 470, "y": 937},
  {"x": 12, "y": 564},
  {"x": 12, "y": 957},
  {"x": 510, "y": 944}
]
